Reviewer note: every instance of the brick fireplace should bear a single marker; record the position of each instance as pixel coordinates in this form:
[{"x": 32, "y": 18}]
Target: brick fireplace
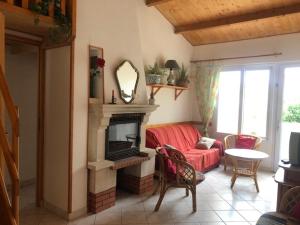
[{"x": 121, "y": 128}]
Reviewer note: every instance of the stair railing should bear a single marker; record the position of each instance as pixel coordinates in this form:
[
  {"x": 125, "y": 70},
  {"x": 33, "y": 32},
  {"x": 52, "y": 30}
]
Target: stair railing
[{"x": 10, "y": 153}]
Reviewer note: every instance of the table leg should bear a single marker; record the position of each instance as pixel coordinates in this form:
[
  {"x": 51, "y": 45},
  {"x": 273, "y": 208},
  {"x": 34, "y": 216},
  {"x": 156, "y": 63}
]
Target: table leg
[
  {"x": 233, "y": 179},
  {"x": 234, "y": 170},
  {"x": 254, "y": 171}
]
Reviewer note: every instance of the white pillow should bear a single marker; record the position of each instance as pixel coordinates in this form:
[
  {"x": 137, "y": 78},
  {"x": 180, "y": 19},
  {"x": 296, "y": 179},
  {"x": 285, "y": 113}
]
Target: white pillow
[
  {"x": 170, "y": 147},
  {"x": 205, "y": 143}
]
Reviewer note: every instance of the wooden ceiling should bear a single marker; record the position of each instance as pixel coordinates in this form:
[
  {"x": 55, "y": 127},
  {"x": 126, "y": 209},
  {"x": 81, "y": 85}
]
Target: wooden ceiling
[{"x": 216, "y": 21}]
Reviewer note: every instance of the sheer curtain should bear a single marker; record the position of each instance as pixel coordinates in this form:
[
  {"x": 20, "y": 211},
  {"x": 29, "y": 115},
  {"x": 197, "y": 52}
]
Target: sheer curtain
[{"x": 206, "y": 88}]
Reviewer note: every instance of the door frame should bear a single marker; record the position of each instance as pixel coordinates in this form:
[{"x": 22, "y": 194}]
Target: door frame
[
  {"x": 279, "y": 101},
  {"x": 268, "y": 141},
  {"x": 41, "y": 112}
]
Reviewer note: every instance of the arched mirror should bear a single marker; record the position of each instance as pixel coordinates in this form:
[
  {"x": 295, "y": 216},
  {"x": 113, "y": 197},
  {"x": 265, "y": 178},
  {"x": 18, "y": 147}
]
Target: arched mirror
[{"x": 127, "y": 78}]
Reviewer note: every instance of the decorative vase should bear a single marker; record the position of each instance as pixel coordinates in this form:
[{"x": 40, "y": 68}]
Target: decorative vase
[
  {"x": 153, "y": 79},
  {"x": 163, "y": 79},
  {"x": 93, "y": 86}
]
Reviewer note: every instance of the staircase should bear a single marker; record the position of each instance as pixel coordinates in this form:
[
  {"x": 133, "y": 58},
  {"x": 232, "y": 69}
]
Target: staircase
[{"x": 9, "y": 157}]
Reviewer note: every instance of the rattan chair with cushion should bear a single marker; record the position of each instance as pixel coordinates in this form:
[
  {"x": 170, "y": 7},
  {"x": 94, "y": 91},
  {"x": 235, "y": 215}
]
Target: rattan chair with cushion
[
  {"x": 230, "y": 141},
  {"x": 175, "y": 171},
  {"x": 288, "y": 210}
]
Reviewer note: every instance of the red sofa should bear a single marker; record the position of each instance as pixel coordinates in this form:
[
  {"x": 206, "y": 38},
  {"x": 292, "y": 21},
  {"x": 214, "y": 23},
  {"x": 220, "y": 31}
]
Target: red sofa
[{"x": 185, "y": 138}]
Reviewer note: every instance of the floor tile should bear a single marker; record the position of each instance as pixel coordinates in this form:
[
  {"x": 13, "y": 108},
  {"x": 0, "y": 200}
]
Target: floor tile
[
  {"x": 213, "y": 223},
  {"x": 134, "y": 218},
  {"x": 263, "y": 206},
  {"x": 250, "y": 215},
  {"x": 203, "y": 216},
  {"x": 237, "y": 223},
  {"x": 161, "y": 217},
  {"x": 220, "y": 205},
  {"x": 230, "y": 216},
  {"x": 111, "y": 218},
  {"x": 241, "y": 205}
]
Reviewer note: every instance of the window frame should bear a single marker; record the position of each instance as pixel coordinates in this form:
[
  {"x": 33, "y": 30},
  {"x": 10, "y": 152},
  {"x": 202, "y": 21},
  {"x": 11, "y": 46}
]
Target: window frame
[{"x": 243, "y": 69}]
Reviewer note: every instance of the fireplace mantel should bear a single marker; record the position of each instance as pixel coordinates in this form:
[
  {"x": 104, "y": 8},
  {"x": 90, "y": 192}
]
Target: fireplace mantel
[{"x": 108, "y": 109}]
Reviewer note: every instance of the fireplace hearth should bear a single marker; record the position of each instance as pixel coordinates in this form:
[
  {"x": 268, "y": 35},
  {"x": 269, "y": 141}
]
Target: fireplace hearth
[{"x": 123, "y": 136}]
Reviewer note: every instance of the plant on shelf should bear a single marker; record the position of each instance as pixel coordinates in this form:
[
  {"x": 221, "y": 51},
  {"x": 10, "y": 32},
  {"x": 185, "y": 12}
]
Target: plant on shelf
[
  {"x": 62, "y": 29},
  {"x": 183, "y": 78},
  {"x": 154, "y": 74}
]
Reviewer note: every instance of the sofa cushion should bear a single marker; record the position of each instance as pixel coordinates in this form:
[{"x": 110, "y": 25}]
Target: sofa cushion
[
  {"x": 219, "y": 145},
  {"x": 170, "y": 166},
  {"x": 296, "y": 211},
  {"x": 245, "y": 142},
  {"x": 205, "y": 143}
]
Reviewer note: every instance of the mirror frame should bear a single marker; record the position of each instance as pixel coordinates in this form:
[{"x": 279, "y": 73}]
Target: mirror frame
[{"x": 136, "y": 83}]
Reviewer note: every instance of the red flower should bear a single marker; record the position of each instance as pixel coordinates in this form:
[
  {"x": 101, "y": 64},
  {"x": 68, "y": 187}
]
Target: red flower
[{"x": 100, "y": 62}]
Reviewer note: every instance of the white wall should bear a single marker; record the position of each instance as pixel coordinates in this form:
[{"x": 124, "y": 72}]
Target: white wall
[
  {"x": 56, "y": 145},
  {"x": 160, "y": 43},
  {"x": 22, "y": 76},
  {"x": 288, "y": 45},
  {"x": 126, "y": 30}
]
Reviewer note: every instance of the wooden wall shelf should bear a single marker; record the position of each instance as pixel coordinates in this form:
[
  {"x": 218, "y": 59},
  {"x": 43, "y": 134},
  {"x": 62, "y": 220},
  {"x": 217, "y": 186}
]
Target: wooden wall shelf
[{"x": 156, "y": 87}]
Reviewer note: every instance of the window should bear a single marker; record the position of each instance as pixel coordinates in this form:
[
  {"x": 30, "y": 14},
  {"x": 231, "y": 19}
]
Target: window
[
  {"x": 228, "y": 103},
  {"x": 243, "y": 101}
]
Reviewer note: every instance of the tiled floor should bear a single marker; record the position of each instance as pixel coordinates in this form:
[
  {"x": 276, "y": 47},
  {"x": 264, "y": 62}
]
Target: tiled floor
[{"x": 217, "y": 205}]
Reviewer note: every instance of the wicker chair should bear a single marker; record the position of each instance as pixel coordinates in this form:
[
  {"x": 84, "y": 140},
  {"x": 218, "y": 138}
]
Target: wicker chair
[
  {"x": 184, "y": 177},
  {"x": 289, "y": 201},
  {"x": 230, "y": 141},
  {"x": 287, "y": 204}
]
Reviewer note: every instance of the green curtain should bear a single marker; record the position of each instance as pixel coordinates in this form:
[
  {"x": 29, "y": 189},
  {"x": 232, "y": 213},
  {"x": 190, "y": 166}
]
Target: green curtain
[{"x": 206, "y": 87}]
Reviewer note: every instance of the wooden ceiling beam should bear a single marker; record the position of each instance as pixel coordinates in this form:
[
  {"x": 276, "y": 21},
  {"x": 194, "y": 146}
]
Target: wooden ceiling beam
[
  {"x": 155, "y": 2},
  {"x": 239, "y": 19}
]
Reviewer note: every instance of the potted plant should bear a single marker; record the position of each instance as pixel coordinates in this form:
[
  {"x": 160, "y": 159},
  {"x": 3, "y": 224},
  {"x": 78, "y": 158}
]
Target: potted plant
[
  {"x": 164, "y": 76},
  {"x": 183, "y": 78},
  {"x": 153, "y": 74}
]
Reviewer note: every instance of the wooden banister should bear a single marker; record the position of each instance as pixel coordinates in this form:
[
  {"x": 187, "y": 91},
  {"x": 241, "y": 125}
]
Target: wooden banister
[
  {"x": 7, "y": 214},
  {"x": 10, "y": 152},
  {"x": 51, "y": 9},
  {"x": 63, "y": 6},
  {"x": 12, "y": 113},
  {"x": 25, "y": 4}
]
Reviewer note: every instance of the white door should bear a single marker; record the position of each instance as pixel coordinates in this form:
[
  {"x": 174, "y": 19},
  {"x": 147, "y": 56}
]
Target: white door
[
  {"x": 245, "y": 98},
  {"x": 288, "y": 110}
]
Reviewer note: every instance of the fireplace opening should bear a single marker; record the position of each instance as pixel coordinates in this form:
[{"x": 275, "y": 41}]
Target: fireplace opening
[{"x": 123, "y": 136}]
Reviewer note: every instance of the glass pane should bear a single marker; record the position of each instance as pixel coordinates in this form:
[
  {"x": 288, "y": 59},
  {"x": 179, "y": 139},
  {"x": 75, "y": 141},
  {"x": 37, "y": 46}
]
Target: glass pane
[
  {"x": 255, "y": 102},
  {"x": 290, "y": 109},
  {"x": 228, "y": 102}
]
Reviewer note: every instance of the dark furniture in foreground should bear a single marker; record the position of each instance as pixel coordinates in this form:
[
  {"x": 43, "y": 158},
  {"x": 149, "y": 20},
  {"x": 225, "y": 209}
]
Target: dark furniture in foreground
[
  {"x": 285, "y": 215},
  {"x": 287, "y": 177}
]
